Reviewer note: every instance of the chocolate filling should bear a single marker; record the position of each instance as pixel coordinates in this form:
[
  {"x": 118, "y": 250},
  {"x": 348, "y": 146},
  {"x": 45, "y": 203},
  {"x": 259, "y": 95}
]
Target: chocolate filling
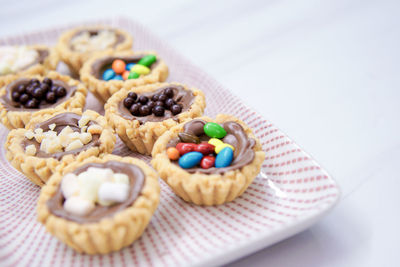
[
  {"x": 61, "y": 120},
  {"x": 100, "y": 65},
  {"x": 11, "y": 105},
  {"x": 181, "y": 96},
  {"x": 120, "y": 37},
  {"x": 236, "y": 136},
  {"x": 136, "y": 182}
]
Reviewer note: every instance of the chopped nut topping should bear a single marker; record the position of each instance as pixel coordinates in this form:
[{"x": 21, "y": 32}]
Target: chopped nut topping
[
  {"x": 29, "y": 134},
  {"x": 30, "y": 150},
  {"x": 95, "y": 129},
  {"x": 74, "y": 145},
  {"x": 83, "y": 121},
  {"x": 52, "y": 126}
]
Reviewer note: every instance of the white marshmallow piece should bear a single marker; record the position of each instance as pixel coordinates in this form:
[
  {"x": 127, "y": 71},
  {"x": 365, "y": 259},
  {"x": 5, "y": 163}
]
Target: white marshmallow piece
[
  {"x": 121, "y": 178},
  {"x": 113, "y": 192},
  {"x": 78, "y": 205},
  {"x": 69, "y": 185},
  {"x": 91, "y": 180}
]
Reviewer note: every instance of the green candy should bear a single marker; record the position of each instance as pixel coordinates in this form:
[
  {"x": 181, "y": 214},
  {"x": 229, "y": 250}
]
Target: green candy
[
  {"x": 214, "y": 130},
  {"x": 147, "y": 60},
  {"x": 133, "y": 75}
]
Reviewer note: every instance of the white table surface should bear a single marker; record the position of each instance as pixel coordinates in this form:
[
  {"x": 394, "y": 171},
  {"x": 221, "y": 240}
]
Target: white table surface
[{"x": 325, "y": 72}]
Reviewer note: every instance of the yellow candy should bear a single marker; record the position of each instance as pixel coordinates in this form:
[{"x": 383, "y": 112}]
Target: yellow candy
[
  {"x": 215, "y": 142},
  {"x": 140, "y": 69},
  {"x": 219, "y": 147}
]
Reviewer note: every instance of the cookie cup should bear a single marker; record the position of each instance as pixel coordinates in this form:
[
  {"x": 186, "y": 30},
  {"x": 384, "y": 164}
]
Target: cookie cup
[
  {"x": 39, "y": 169},
  {"x": 141, "y": 137},
  {"x": 110, "y": 233},
  {"x": 206, "y": 189}
]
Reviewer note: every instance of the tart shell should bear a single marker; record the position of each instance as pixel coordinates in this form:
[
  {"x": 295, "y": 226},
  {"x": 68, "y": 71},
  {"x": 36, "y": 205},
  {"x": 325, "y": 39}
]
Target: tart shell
[
  {"x": 18, "y": 119},
  {"x": 110, "y": 233},
  {"x": 39, "y": 169},
  {"x": 105, "y": 89},
  {"x": 206, "y": 189},
  {"x": 141, "y": 137}
]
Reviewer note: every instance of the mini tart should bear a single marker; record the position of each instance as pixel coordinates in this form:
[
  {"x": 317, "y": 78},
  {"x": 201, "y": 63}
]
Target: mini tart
[
  {"x": 48, "y": 60},
  {"x": 75, "y": 59},
  {"x": 206, "y": 188},
  {"x": 13, "y": 117},
  {"x": 91, "y": 73},
  {"x": 110, "y": 233},
  {"x": 39, "y": 168},
  {"x": 140, "y": 137}
]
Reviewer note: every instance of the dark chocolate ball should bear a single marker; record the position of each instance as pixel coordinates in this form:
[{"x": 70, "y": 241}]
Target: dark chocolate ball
[
  {"x": 34, "y": 82},
  {"x": 21, "y": 89},
  {"x": 29, "y": 89},
  {"x": 23, "y": 98},
  {"x": 48, "y": 81},
  {"x": 51, "y": 97},
  {"x": 32, "y": 103},
  {"x": 151, "y": 104},
  {"x": 15, "y": 96},
  {"x": 168, "y": 92},
  {"x": 44, "y": 86},
  {"x": 144, "y": 110},
  {"x": 143, "y": 99},
  {"x": 160, "y": 103},
  {"x": 128, "y": 102},
  {"x": 176, "y": 109},
  {"x": 133, "y": 96},
  {"x": 158, "y": 111},
  {"x": 162, "y": 97},
  {"x": 61, "y": 91},
  {"x": 155, "y": 97},
  {"x": 135, "y": 109},
  {"x": 53, "y": 88},
  {"x": 169, "y": 103},
  {"x": 38, "y": 93}
]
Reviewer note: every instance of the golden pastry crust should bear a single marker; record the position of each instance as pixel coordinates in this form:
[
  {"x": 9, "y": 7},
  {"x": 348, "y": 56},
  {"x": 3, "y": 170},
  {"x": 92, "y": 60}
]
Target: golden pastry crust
[
  {"x": 18, "y": 119},
  {"x": 110, "y": 233},
  {"x": 39, "y": 169},
  {"x": 105, "y": 89},
  {"x": 204, "y": 189},
  {"x": 76, "y": 59},
  {"x": 141, "y": 137}
]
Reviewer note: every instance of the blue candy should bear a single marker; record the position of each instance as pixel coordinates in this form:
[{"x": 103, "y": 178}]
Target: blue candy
[
  {"x": 108, "y": 74},
  {"x": 129, "y": 66},
  {"x": 118, "y": 77},
  {"x": 190, "y": 159},
  {"x": 224, "y": 158}
]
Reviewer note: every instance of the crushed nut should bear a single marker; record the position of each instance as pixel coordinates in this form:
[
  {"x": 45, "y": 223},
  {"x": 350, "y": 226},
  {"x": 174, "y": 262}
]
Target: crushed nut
[
  {"x": 95, "y": 129},
  {"x": 29, "y": 134},
  {"x": 83, "y": 121},
  {"x": 52, "y": 126},
  {"x": 30, "y": 150},
  {"x": 74, "y": 145}
]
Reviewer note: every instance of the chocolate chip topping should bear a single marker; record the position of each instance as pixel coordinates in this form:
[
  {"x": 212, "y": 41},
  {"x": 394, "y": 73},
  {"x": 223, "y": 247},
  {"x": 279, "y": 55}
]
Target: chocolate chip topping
[
  {"x": 61, "y": 120},
  {"x": 235, "y": 136},
  {"x": 181, "y": 96},
  {"x": 136, "y": 182}
]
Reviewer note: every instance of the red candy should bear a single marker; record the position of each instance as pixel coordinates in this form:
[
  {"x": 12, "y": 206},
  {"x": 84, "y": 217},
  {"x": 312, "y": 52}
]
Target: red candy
[
  {"x": 184, "y": 148},
  {"x": 207, "y": 162},
  {"x": 205, "y": 148}
]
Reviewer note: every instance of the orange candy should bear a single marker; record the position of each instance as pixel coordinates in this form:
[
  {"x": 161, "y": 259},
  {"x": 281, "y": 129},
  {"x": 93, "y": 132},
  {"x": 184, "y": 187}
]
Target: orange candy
[
  {"x": 173, "y": 153},
  {"x": 118, "y": 66},
  {"x": 125, "y": 75}
]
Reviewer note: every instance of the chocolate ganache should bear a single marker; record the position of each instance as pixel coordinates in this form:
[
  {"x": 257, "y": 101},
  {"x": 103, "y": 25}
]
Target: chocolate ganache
[
  {"x": 236, "y": 136},
  {"x": 180, "y": 95},
  {"x": 61, "y": 120},
  {"x": 136, "y": 182},
  {"x": 120, "y": 37}
]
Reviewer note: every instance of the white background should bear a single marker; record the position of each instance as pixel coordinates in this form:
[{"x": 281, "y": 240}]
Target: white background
[{"x": 326, "y": 72}]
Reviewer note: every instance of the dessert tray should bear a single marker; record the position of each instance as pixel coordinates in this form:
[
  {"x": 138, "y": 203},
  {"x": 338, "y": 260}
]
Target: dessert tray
[{"x": 290, "y": 194}]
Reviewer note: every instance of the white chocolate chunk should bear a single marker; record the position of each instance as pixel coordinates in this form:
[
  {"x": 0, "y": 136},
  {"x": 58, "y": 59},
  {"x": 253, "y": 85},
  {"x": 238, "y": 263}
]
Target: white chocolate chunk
[
  {"x": 95, "y": 129},
  {"x": 74, "y": 145},
  {"x": 29, "y": 134},
  {"x": 83, "y": 121},
  {"x": 52, "y": 126},
  {"x": 69, "y": 185},
  {"x": 30, "y": 150},
  {"x": 121, "y": 178},
  {"x": 114, "y": 192},
  {"x": 78, "y": 206}
]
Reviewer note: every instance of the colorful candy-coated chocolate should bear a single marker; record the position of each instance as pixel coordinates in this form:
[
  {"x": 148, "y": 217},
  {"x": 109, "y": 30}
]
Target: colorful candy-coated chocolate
[
  {"x": 108, "y": 74},
  {"x": 215, "y": 142},
  {"x": 224, "y": 158},
  {"x": 207, "y": 162},
  {"x": 133, "y": 75},
  {"x": 140, "y": 69},
  {"x": 129, "y": 66},
  {"x": 118, "y": 66},
  {"x": 219, "y": 147},
  {"x": 191, "y": 159},
  {"x": 184, "y": 148},
  {"x": 118, "y": 77},
  {"x": 214, "y": 130},
  {"x": 125, "y": 75},
  {"x": 173, "y": 153},
  {"x": 147, "y": 60},
  {"x": 188, "y": 138},
  {"x": 205, "y": 148}
]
